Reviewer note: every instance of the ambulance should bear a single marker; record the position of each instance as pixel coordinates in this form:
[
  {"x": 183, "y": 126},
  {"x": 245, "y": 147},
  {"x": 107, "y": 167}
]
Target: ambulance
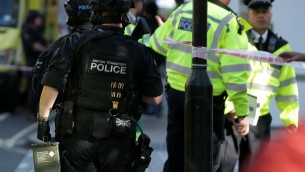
[{"x": 12, "y": 71}]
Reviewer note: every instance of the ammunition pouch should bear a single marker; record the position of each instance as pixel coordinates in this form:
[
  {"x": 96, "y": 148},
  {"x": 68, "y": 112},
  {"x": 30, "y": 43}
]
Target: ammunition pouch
[
  {"x": 142, "y": 153},
  {"x": 64, "y": 120},
  {"x": 102, "y": 125}
]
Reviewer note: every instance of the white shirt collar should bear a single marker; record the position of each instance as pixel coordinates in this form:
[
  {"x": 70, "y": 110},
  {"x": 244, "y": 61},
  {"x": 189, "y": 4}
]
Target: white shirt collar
[{"x": 256, "y": 36}]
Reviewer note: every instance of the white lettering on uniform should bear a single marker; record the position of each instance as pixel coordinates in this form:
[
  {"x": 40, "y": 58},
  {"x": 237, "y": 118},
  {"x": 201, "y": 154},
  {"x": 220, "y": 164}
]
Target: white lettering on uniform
[
  {"x": 93, "y": 65},
  {"x": 116, "y": 69},
  {"x": 123, "y": 70},
  {"x": 109, "y": 68},
  {"x": 185, "y": 24},
  {"x": 84, "y": 7},
  {"x": 100, "y": 67}
]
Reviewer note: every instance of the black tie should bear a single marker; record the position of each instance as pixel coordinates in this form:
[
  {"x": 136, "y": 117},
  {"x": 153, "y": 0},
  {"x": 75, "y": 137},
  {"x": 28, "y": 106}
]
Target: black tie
[{"x": 260, "y": 43}]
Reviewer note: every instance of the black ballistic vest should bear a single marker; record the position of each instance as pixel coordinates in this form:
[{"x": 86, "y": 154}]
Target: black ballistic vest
[{"x": 106, "y": 73}]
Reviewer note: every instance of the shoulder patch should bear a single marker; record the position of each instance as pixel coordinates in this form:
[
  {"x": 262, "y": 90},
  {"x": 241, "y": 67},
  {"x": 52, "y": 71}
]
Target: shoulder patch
[{"x": 185, "y": 24}]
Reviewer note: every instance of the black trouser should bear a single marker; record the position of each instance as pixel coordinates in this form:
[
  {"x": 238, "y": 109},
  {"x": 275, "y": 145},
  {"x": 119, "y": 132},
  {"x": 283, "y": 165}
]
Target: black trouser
[
  {"x": 175, "y": 131},
  {"x": 235, "y": 148},
  {"x": 83, "y": 153},
  {"x": 218, "y": 129}
]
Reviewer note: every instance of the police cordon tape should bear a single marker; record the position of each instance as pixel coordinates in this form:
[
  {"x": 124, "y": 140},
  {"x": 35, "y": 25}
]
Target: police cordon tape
[
  {"x": 16, "y": 68},
  {"x": 202, "y": 52},
  {"x": 261, "y": 56}
]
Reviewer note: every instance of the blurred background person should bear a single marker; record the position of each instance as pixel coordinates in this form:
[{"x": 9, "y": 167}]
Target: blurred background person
[
  {"x": 133, "y": 15},
  {"x": 150, "y": 11},
  {"x": 33, "y": 44},
  {"x": 78, "y": 20}
]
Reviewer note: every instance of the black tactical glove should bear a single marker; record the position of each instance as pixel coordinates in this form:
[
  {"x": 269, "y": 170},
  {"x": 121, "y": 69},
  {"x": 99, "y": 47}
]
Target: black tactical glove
[{"x": 43, "y": 130}]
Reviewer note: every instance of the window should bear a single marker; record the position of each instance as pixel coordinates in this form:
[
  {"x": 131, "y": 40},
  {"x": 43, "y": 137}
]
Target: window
[{"x": 8, "y": 12}]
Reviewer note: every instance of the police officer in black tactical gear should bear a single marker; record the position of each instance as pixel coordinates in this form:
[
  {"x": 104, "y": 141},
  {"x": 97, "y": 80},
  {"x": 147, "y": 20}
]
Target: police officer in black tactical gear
[
  {"x": 78, "y": 18},
  {"x": 104, "y": 75}
]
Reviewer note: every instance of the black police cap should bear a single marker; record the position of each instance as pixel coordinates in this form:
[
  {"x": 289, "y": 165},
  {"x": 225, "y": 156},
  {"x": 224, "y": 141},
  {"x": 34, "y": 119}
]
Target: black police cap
[{"x": 258, "y": 3}]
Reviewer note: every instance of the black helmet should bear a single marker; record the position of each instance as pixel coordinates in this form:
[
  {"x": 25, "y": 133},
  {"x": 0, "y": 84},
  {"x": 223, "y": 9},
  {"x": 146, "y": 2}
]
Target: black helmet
[
  {"x": 79, "y": 11},
  {"x": 120, "y": 6}
]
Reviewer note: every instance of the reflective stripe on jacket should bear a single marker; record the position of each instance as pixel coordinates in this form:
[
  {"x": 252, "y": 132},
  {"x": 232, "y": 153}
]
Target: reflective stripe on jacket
[{"x": 128, "y": 29}]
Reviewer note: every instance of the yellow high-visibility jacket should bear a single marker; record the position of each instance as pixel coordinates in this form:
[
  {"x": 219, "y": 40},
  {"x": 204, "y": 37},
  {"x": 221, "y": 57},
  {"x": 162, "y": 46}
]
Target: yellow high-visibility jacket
[
  {"x": 227, "y": 73},
  {"x": 267, "y": 81},
  {"x": 129, "y": 29}
]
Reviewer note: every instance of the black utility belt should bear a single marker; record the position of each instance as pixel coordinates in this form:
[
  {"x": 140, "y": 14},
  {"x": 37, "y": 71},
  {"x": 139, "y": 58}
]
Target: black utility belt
[
  {"x": 101, "y": 125},
  {"x": 97, "y": 124}
]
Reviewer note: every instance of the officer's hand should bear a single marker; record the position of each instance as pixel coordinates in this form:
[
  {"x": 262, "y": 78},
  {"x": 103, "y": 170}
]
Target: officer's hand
[
  {"x": 293, "y": 56},
  {"x": 43, "y": 131},
  {"x": 292, "y": 129},
  {"x": 231, "y": 116},
  {"x": 159, "y": 20},
  {"x": 242, "y": 125}
]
